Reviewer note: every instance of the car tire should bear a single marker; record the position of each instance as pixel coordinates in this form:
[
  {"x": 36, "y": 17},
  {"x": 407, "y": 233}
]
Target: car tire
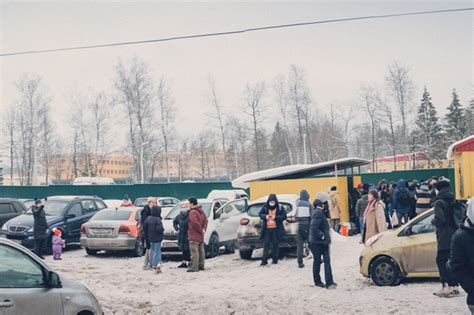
[
  {"x": 213, "y": 247},
  {"x": 245, "y": 254},
  {"x": 139, "y": 249},
  {"x": 230, "y": 248},
  {"x": 91, "y": 252},
  {"x": 385, "y": 272}
]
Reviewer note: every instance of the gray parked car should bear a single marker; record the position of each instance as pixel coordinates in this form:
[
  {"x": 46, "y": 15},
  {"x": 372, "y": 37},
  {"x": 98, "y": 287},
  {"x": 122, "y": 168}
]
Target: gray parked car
[{"x": 28, "y": 285}]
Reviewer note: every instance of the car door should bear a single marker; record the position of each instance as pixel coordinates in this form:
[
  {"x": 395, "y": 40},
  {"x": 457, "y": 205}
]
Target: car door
[
  {"x": 74, "y": 218},
  {"x": 418, "y": 246},
  {"x": 229, "y": 219},
  {"x": 7, "y": 212},
  {"x": 22, "y": 288}
]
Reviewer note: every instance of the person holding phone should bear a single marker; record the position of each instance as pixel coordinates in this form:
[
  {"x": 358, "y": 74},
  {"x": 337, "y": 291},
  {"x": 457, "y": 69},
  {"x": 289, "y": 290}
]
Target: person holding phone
[{"x": 40, "y": 227}]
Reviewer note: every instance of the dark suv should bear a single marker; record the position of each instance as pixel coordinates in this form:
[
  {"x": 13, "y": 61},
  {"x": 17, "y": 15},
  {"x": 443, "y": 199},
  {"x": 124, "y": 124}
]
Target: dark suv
[
  {"x": 66, "y": 213},
  {"x": 10, "y": 208}
]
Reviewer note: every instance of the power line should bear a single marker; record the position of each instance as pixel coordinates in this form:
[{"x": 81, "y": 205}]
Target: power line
[{"x": 235, "y": 32}]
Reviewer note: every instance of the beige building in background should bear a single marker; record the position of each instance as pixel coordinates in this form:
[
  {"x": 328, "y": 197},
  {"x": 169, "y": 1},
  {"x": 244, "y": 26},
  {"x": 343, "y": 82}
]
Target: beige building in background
[{"x": 407, "y": 162}]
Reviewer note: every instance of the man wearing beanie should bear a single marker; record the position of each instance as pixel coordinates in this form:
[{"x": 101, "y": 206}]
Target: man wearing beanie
[
  {"x": 319, "y": 240},
  {"x": 445, "y": 227},
  {"x": 462, "y": 255},
  {"x": 196, "y": 229}
]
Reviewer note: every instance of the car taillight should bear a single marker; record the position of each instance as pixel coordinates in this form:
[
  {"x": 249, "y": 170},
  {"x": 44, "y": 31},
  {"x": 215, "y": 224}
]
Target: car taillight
[
  {"x": 291, "y": 219},
  {"x": 124, "y": 229},
  {"x": 83, "y": 229},
  {"x": 244, "y": 221}
]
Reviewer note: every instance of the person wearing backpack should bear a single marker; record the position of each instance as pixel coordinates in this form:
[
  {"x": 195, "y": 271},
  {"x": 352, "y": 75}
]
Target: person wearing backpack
[
  {"x": 444, "y": 204},
  {"x": 462, "y": 255},
  {"x": 401, "y": 202}
]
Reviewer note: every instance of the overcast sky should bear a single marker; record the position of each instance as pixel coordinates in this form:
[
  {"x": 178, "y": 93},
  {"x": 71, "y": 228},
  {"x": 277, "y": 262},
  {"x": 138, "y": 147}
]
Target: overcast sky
[{"x": 337, "y": 57}]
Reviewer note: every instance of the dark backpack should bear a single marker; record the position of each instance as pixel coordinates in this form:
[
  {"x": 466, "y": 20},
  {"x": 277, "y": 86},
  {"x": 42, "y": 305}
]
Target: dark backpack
[
  {"x": 404, "y": 197},
  {"x": 459, "y": 212}
]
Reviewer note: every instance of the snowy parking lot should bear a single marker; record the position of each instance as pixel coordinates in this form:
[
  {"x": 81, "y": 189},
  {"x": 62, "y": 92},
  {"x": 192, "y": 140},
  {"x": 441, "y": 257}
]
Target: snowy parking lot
[{"x": 233, "y": 286}]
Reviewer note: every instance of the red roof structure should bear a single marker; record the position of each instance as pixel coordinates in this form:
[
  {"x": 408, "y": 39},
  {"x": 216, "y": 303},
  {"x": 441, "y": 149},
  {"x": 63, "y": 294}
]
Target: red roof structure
[{"x": 464, "y": 145}]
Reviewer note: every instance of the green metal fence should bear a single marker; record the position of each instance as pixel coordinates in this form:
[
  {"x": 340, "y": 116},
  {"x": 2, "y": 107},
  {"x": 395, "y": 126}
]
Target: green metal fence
[{"x": 177, "y": 190}]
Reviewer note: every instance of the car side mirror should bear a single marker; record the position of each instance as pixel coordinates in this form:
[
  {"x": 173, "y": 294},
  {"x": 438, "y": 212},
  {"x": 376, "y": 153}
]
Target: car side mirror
[
  {"x": 70, "y": 216},
  {"x": 53, "y": 280}
]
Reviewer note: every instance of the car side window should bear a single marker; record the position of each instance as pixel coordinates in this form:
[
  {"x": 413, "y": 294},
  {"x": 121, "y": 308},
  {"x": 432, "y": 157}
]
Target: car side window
[
  {"x": 174, "y": 201},
  {"x": 17, "y": 270},
  {"x": 423, "y": 226},
  {"x": 6, "y": 208},
  {"x": 88, "y": 206},
  {"x": 100, "y": 205},
  {"x": 76, "y": 209}
]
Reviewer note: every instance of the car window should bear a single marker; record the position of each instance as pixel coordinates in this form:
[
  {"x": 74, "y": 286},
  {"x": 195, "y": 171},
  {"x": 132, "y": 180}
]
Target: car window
[
  {"x": 88, "y": 206},
  {"x": 17, "y": 270},
  {"x": 234, "y": 208},
  {"x": 76, "y": 209},
  {"x": 216, "y": 207},
  {"x": 423, "y": 226},
  {"x": 53, "y": 207},
  {"x": 18, "y": 207},
  {"x": 254, "y": 209},
  {"x": 100, "y": 205},
  {"x": 6, "y": 208},
  {"x": 114, "y": 215},
  {"x": 180, "y": 206},
  {"x": 140, "y": 202},
  {"x": 174, "y": 201}
]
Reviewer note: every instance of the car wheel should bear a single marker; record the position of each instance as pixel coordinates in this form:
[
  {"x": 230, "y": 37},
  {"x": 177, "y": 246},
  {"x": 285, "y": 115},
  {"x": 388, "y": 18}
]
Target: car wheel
[
  {"x": 230, "y": 248},
  {"x": 245, "y": 254},
  {"x": 139, "y": 250},
  {"x": 385, "y": 272},
  {"x": 213, "y": 247},
  {"x": 91, "y": 252}
]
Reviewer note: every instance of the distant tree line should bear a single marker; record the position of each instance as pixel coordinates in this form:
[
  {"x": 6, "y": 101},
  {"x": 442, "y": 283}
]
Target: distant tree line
[{"x": 383, "y": 120}]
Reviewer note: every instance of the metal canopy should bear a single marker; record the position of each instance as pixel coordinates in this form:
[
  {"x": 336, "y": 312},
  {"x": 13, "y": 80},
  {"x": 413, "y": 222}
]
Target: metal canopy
[{"x": 298, "y": 171}]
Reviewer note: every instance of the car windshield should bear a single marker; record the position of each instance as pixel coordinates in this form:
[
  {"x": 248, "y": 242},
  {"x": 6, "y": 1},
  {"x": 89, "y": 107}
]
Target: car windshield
[
  {"x": 141, "y": 202},
  {"x": 114, "y": 215},
  {"x": 179, "y": 207},
  {"x": 53, "y": 208},
  {"x": 254, "y": 209}
]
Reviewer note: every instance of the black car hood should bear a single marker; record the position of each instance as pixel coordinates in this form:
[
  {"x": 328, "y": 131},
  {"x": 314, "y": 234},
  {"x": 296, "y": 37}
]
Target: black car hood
[{"x": 28, "y": 220}]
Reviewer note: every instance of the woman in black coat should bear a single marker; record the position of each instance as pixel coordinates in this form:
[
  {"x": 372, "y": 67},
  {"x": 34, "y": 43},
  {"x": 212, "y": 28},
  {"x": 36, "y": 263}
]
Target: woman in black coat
[
  {"x": 40, "y": 227},
  {"x": 180, "y": 224},
  {"x": 272, "y": 216}
]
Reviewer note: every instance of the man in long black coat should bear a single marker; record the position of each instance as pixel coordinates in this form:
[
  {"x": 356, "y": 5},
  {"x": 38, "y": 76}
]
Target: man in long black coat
[{"x": 40, "y": 227}]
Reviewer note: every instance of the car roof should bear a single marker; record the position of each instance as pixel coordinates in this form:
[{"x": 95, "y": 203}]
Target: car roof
[
  {"x": 281, "y": 198},
  {"x": 9, "y": 199},
  {"x": 69, "y": 198},
  {"x": 158, "y": 198}
]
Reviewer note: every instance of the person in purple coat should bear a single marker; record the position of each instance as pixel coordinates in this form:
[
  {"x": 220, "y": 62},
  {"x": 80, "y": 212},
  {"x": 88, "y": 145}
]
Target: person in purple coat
[{"x": 58, "y": 244}]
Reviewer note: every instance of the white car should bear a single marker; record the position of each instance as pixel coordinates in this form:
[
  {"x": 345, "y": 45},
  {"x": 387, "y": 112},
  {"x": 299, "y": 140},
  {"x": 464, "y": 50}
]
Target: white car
[
  {"x": 113, "y": 203},
  {"x": 229, "y": 194},
  {"x": 166, "y": 203},
  {"x": 29, "y": 286},
  {"x": 223, "y": 223}
]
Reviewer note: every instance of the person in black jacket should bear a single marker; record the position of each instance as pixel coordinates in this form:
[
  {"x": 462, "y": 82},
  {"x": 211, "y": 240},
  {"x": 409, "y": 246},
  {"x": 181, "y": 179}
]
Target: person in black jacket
[
  {"x": 445, "y": 227},
  {"x": 144, "y": 214},
  {"x": 462, "y": 256},
  {"x": 180, "y": 224},
  {"x": 40, "y": 227},
  {"x": 154, "y": 235},
  {"x": 272, "y": 216},
  {"x": 319, "y": 240}
]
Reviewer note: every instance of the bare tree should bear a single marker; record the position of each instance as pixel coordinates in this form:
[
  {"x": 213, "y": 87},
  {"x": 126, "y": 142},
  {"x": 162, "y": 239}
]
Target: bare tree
[
  {"x": 202, "y": 150},
  {"x": 136, "y": 93},
  {"x": 372, "y": 113},
  {"x": 388, "y": 118},
  {"x": 254, "y": 108},
  {"x": 401, "y": 88},
  {"x": 282, "y": 101},
  {"x": 166, "y": 112},
  {"x": 47, "y": 145},
  {"x": 10, "y": 129},
  {"x": 218, "y": 116}
]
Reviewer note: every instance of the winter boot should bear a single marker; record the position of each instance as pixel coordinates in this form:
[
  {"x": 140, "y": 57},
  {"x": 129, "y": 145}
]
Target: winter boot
[
  {"x": 183, "y": 265},
  {"x": 158, "y": 269},
  {"x": 444, "y": 292}
]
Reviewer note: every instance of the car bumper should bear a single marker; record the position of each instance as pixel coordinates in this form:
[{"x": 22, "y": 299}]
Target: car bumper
[
  {"x": 364, "y": 260},
  {"x": 170, "y": 247},
  {"x": 119, "y": 243},
  {"x": 254, "y": 242}
]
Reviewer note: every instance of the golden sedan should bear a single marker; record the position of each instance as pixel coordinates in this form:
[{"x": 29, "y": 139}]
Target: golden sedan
[{"x": 406, "y": 252}]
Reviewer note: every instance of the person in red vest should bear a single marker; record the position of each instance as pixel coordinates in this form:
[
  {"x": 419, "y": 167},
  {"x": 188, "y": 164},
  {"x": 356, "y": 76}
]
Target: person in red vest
[{"x": 196, "y": 230}]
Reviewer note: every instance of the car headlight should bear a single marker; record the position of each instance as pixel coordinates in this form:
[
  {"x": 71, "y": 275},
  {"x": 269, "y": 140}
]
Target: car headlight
[
  {"x": 31, "y": 230},
  {"x": 4, "y": 228},
  {"x": 371, "y": 241}
]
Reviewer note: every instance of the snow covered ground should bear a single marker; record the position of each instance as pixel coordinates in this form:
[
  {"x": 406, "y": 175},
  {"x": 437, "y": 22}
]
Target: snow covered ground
[{"x": 232, "y": 286}]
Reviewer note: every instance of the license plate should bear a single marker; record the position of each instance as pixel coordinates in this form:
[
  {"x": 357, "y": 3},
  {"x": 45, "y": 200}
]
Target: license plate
[
  {"x": 102, "y": 231},
  {"x": 167, "y": 245}
]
